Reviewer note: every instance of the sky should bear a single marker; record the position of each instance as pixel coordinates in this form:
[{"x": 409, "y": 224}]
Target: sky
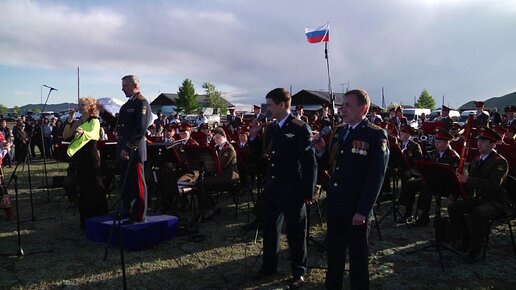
[{"x": 462, "y": 49}]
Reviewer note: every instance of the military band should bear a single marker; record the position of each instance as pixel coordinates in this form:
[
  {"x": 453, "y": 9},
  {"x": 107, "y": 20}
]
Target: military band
[{"x": 356, "y": 157}]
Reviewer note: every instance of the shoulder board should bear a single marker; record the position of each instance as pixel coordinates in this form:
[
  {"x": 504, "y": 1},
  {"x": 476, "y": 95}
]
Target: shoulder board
[
  {"x": 373, "y": 126},
  {"x": 139, "y": 96},
  {"x": 298, "y": 122},
  {"x": 341, "y": 125},
  {"x": 270, "y": 123},
  {"x": 498, "y": 156}
]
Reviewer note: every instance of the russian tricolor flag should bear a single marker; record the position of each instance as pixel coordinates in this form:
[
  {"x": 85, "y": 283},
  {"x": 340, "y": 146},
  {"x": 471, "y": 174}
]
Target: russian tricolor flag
[{"x": 320, "y": 34}]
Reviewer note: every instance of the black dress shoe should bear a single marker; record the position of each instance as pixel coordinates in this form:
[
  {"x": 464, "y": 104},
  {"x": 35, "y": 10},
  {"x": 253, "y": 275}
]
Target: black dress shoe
[
  {"x": 405, "y": 219},
  {"x": 296, "y": 282},
  {"x": 262, "y": 273},
  {"x": 463, "y": 247},
  {"x": 472, "y": 257},
  {"x": 422, "y": 221},
  {"x": 132, "y": 221}
]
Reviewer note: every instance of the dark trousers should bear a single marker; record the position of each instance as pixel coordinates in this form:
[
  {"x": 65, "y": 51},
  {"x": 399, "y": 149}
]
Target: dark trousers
[
  {"x": 408, "y": 195},
  {"x": 480, "y": 212},
  {"x": 294, "y": 215},
  {"x": 134, "y": 190},
  {"x": 341, "y": 236}
]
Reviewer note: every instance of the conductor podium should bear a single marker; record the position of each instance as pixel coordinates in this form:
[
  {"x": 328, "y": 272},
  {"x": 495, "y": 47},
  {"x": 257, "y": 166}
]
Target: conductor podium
[{"x": 155, "y": 230}]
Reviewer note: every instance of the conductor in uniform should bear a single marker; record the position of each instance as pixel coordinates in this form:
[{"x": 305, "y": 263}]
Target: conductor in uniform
[
  {"x": 289, "y": 183},
  {"x": 134, "y": 118},
  {"x": 358, "y": 154}
]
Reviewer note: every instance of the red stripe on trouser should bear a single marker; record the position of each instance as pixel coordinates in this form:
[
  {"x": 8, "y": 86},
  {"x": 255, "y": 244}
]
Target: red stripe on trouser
[{"x": 141, "y": 189}]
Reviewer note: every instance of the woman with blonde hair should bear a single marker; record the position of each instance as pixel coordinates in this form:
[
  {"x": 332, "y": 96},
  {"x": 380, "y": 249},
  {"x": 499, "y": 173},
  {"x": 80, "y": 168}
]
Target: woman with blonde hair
[{"x": 83, "y": 151}]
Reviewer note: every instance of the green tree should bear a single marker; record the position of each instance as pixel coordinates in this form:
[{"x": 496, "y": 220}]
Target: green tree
[
  {"x": 3, "y": 109},
  {"x": 215, "y": 98},
  {"x": 392, "y": 106},
  {"x": 425, "y": 101},
  {"x": 36, "y": 110},
  {"x": 186, "y": 97},
  {"x": 16, "y": 110}
]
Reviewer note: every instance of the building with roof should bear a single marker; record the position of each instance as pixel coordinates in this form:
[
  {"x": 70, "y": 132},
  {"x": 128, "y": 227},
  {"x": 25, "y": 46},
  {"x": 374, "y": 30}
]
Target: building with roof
[{"x": 166, "y": 103}]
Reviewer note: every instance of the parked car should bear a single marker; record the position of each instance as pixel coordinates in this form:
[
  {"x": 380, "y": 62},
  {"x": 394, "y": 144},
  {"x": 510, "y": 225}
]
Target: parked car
[
  {"x": 464, "y": 116},
  {"x": 413, "y": 115},
  {"x": 455, "y": 115}
]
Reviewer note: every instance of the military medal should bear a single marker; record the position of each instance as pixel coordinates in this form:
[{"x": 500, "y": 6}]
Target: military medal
[
  {"x": 354, "y": 150},
  {"x": 362, "y": 146},
  {"x": 365, "y": 147}
]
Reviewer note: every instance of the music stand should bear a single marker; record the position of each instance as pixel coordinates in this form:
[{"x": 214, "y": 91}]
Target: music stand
[
  {"x": 107, "y": 150},
  {"x": 398, "y": 163},
  {"x": 442, "y": 180},
  {"x": 159, "y": 154},
  {"x": 204, "y": 159},
  {"x": 202, "y": 156}
]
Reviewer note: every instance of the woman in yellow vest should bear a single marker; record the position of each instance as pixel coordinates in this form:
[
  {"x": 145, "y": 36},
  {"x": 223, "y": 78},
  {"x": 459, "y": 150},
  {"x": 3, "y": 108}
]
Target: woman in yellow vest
[{"x": 83, "y": 150}]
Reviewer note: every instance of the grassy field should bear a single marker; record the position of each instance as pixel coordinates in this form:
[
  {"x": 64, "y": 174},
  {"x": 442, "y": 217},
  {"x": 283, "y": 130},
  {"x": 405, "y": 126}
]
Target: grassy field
[{"x": 224, "y": 259}]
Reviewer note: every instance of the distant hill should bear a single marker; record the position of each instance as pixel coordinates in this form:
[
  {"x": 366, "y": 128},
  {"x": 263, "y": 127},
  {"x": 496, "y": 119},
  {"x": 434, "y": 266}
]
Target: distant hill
[
  {"x": 496, "y": 102},
  {"x": 49, "y": 107}
]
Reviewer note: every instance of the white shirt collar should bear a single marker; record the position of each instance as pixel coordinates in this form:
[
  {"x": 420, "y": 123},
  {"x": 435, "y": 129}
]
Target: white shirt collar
[{"x": 282, "y": 121}]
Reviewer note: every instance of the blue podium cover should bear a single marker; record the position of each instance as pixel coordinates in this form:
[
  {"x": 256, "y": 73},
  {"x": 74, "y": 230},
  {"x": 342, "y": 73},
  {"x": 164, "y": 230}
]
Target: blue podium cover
[{"x": 136, "y": 237}]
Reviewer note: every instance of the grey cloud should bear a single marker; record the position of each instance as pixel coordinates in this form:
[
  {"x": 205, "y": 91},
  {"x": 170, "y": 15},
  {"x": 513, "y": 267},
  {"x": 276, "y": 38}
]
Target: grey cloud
[{"x": 463, "y": 49}]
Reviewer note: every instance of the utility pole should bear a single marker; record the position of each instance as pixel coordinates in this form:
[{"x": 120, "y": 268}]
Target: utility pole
[{"x": 347, "y": 87}]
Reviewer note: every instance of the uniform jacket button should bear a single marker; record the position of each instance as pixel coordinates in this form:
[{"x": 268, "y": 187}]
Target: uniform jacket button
[
  {"x": 335, "y": 184},
  {"x": 337, "y": 168},
  {"x": 273, "y": 177},
  {"x": 341, "y": 151},
  {"x": 272, "y": 165},
  {"x": 273, "y": 152}
]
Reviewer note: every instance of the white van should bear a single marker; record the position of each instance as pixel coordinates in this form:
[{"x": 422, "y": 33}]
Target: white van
[
  {"x": 413, "y": 116},
  {"x": 455, "y": 115}
]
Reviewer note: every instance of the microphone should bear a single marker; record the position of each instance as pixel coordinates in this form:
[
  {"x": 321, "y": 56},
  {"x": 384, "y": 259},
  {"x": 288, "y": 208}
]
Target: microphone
[
  {"x": 325, "y": 131},
  {"x": 51, "y": 88}
]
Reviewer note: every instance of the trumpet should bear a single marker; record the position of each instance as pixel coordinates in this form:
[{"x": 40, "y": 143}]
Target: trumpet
[{"x": 457, "y": 134}]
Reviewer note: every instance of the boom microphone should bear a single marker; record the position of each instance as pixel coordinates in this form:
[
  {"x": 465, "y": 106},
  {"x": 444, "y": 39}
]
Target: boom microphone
[
  {"x": 325, "y": 131},
  {"x": 51, "y": 88}
]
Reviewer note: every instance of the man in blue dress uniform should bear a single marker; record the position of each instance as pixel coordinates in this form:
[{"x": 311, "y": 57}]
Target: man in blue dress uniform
[
  {"x": 134, "y": 118},
  {"x": 358, "y": 154},
  {"x": 289, "y": 184}
]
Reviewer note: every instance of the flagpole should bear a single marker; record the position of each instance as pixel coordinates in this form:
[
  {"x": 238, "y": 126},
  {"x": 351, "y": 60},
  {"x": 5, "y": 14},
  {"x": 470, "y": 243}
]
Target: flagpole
[
  {"x": 383, "y": 99},
  {"x": 78, "y": 86},
  {"x": 330, "y": 89}
]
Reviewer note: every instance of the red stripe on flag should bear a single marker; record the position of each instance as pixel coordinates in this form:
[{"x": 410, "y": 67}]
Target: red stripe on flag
[{"x": 317, "y": 39}]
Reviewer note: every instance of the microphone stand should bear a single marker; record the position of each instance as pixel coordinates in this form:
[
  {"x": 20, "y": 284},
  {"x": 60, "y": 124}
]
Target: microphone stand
[
  {"x": 44, "y": 153},
  {"x": 117, "y": 222},
  {"x": 44, "y": 148},
  {"x": 25, "y": 153},
  {"x": 20, "y": 252}
]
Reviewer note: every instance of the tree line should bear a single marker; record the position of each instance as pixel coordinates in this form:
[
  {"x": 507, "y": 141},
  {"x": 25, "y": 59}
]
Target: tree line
[{"x": 187, "y": 98}]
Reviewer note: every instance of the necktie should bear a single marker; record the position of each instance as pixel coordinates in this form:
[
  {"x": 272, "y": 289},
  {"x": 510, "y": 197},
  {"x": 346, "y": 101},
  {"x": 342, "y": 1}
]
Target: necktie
[{"x": 348, "y": 131}]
